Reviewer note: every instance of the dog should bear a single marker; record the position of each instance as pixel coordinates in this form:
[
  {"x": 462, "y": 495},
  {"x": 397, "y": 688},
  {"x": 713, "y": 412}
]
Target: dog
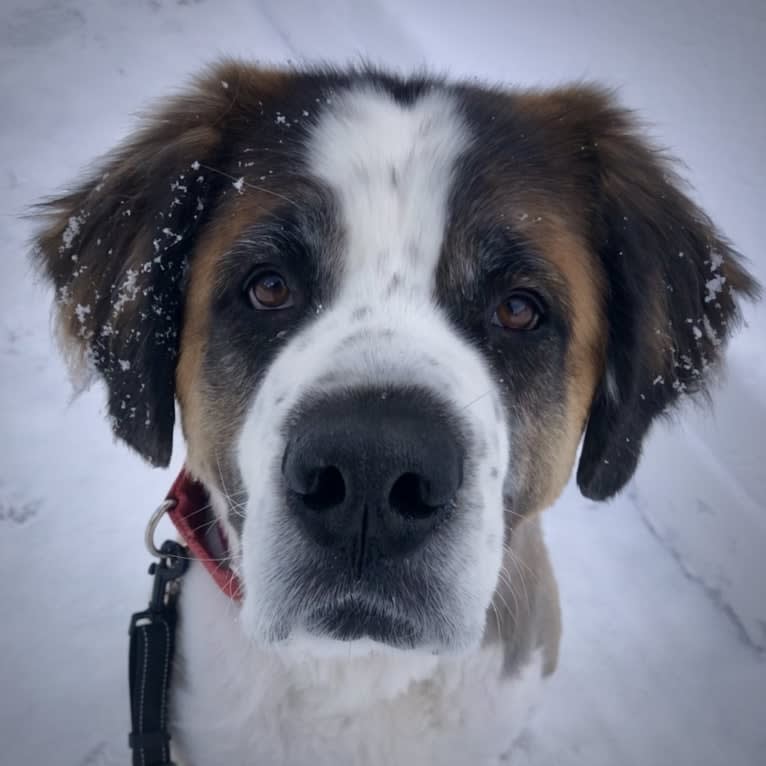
[{"x": 390, "y": 310}]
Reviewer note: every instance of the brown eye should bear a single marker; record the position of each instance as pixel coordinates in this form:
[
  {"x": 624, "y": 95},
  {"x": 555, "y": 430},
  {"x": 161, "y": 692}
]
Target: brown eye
[
  {"x": 520, "y": 311},
  {"x": 268, "y": 290}
]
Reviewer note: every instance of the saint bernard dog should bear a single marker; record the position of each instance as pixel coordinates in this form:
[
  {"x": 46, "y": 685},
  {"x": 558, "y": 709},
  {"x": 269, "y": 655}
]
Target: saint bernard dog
[{"x": 390, "y": 310}]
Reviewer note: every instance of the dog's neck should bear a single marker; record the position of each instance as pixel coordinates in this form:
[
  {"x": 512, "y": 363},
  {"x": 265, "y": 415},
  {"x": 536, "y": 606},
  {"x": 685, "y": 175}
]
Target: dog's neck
[{"x": 236, "y": 702}]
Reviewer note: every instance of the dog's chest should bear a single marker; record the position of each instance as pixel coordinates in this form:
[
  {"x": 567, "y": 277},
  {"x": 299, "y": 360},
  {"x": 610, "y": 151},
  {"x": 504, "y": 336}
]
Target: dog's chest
[{"x": 235, "y": 704}]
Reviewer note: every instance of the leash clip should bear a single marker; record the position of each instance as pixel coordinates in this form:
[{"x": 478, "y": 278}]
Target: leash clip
[{"x": 173, "y": 563}]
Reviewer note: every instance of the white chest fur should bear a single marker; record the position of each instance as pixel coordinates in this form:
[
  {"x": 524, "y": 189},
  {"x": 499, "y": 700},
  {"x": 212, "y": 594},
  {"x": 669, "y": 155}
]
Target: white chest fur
[{"x": 239, "y": 705}]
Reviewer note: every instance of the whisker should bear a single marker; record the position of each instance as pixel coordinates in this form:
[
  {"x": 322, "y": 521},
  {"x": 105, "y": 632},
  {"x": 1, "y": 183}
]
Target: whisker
[
  {"x": 519, "y": 561},
  {"x": 497, "y": 618},
  {"x": 512, "y": 590},
  {"x": 478, "y": 398},
  {"x": 234, "y": 506},
  {"x": 215, "y": 560},
  {"x": 263, "y": 189}
]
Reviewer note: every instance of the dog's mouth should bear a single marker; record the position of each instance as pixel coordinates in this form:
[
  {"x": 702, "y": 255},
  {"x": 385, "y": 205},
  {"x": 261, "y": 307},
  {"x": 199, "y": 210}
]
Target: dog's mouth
[{"x": 355, "y": 619}]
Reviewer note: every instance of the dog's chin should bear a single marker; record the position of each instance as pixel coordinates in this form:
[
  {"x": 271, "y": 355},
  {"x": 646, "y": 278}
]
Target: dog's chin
[
  {"x": 346, "y": 632},
  {"x": 303, "y": 643},
  {"x": 349, "y": 623}
]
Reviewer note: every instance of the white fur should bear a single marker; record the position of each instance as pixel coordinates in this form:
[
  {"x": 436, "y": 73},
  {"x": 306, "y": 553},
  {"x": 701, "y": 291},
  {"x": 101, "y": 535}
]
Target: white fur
[
  {"x": 237, "y": 704},
  {"x": 393, "y": 234}
]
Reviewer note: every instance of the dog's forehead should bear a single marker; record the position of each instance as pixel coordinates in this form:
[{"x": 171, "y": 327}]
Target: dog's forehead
[{"x": 390, "y": 167}]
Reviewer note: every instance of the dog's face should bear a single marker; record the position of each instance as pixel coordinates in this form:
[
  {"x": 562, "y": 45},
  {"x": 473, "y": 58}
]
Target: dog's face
[{"x": 387, "y": 310}]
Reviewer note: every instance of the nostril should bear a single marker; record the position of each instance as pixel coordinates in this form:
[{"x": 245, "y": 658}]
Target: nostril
[
  {"x": 325, "y": 489},
  {"x": 409, "y": 496}
]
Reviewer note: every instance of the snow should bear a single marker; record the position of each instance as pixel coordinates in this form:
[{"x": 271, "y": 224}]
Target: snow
[
  {"x": 72, "y": 230},
  {"x": 664, "y": 596}
]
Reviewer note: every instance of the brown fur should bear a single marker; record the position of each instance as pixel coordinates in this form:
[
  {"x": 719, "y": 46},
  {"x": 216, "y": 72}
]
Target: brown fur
[
  {"x": 554, "y": 444},
  {"x": 207, "y": 435}
]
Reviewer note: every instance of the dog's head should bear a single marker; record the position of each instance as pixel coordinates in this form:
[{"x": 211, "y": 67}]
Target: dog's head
[{"x": 388, "y": 310}]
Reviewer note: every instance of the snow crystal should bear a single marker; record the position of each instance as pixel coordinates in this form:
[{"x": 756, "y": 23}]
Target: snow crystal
[
  {"x": 281, "y": 119},
  {"x": 239, "y": 183},
  {"x": 716, "y": 261},
  {"x": 73, "y": 226},
  {"x": 697, "y": 333},
  {"x": 169, "y": 233},
  {"x": 225, "y": 84},
  {"x": 64, "y": 296},
  {"x": 710, "y": 332},
  {"x": 128, "y": 291},
  {"x": 659, "y": 380},
  {"x": 714, "y": 286},
  {"x": 124, "y": 364},
  {"x": 195, "y": 165},
  {"x": 81, "y": 312}
]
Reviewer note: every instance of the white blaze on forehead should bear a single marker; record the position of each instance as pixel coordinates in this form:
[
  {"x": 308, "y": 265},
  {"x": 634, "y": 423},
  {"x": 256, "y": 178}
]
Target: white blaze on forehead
[{"x": 390, "y": 167}]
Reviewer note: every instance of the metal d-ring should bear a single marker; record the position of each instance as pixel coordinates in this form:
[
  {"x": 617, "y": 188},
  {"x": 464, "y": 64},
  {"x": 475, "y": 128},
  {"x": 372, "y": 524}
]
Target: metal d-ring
[{"x": 154, "y": 520}]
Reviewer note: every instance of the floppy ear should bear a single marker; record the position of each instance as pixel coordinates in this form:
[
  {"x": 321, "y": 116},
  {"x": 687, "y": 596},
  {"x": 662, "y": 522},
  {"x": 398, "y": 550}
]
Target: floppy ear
[
  {"x": 673, "y": 284},
  {"x": 117, "y": 247}
]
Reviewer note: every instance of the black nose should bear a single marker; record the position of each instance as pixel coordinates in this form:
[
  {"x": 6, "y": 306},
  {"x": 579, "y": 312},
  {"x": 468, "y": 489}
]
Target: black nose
[{"x": 372, "y": 473}]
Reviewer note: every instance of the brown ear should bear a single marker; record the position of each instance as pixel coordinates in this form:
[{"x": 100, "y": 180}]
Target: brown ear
[
  {"x": 117, "y": 249},
  {"x": 673, "y": 282}
]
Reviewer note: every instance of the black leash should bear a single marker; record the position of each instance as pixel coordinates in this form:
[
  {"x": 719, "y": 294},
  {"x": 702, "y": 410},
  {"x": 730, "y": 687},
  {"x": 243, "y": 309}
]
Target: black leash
[{"x": 152, "y": 642}]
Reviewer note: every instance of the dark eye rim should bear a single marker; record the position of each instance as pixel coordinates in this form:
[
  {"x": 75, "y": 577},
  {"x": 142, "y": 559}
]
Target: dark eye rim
[
  {"x": 537, "y": 302},
  {"x": 263, "y": 270}
]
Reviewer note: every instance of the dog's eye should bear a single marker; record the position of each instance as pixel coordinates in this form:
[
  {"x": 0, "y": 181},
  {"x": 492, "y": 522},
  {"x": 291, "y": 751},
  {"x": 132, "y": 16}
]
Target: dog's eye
[
  {"x": 519, "y": 311},
  {"x": 268, "y": 290}
]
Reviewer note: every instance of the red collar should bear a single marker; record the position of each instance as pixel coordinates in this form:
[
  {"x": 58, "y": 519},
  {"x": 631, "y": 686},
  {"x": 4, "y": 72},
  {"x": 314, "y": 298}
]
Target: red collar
[{"x": 191, "y": 515}]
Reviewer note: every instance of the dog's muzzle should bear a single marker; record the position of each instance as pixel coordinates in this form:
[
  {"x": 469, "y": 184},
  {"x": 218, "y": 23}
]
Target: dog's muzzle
[{"x": 370, "y": 474}]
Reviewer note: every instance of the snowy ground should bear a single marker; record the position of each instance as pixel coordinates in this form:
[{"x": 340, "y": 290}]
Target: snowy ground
[{"x": 664, "y": 590}]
